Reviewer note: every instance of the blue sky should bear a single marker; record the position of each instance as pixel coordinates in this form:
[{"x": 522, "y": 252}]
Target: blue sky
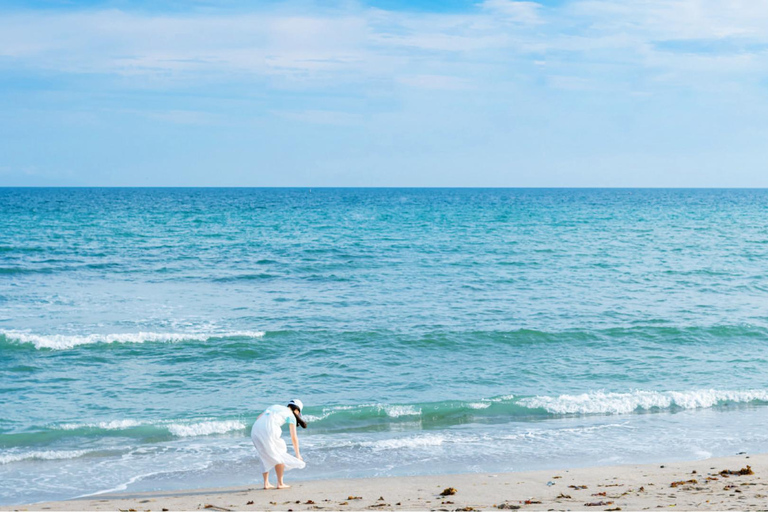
[{"x": 667, "y": 93}]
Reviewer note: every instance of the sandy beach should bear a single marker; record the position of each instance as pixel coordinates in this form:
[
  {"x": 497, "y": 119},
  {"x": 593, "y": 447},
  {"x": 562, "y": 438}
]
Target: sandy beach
[{"x": 711, "y": 484}]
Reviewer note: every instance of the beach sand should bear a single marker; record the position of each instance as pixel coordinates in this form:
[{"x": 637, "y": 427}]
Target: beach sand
[{"x": 631, "y": 487}]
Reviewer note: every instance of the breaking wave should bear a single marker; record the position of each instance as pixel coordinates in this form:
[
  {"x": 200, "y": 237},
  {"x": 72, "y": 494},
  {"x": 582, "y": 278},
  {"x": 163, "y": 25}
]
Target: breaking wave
[
  {"x": 491, "y": 409},
  {"x": 7, "y": 458},
  {"x": 397, "y": 411},
  {"x": 624, "y": 403},
  {"x": 64, "y": 342},
  {"x": 103, "y": 425},
  {"x": 176, "y": 428},
  {"x": 429, "y": 415},
  {"x": 205, "y": 428}
]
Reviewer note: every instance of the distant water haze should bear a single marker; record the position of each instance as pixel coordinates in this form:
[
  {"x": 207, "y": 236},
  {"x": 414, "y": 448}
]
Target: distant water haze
[{"x": 426, "y": 330}]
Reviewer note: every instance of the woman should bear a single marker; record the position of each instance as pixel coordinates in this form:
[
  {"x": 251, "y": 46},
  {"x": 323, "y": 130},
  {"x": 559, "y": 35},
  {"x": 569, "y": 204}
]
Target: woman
[{"x": 271, "y": 448}]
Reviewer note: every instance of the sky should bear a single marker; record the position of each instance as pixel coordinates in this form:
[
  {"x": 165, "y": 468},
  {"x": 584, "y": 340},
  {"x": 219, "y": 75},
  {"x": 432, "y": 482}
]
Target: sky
[{"x": 380, "y": 93}]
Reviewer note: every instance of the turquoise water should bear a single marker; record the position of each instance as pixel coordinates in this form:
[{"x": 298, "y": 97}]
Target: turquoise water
[{"x": 427, "y": 331}]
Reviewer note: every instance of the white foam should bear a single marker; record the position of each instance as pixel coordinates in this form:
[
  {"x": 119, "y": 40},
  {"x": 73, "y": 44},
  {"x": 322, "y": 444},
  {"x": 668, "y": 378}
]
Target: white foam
[
  {"x": 396, "y": 411},
  {"x": 404, "y": 442},
  {"x": 478, "y": 405},
  {"x": 63, "y": 342},
  {"x": 329, "y": 411},
  {"x": 205, "y": 428},
  {"x": 8, "y": 458},
  {"x": 120, "y": 424},
  {"x": 392, "y": 411},
  {"x": 312, "y": 417},
  {"x": 504, "y": 398},
  {"x": 119, "y": 488},
  {"x": 200, "y": 428},
  {"x": 601, "y": 402},
  {"x": 104, "y": 425}
]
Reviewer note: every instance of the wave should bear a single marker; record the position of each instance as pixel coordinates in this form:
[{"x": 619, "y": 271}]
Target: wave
[
  {"x": 644, "y": 335},
  {"x": 205, "y": 428},
  {"x": 435, "y": 414},
  {"x": 63, "y": 342},
  {"x": 420, "y": 441},
  {"x": 8, "y": 458},
  {"x": 624, "y": 403},
  {"x": 104, "y": 425},
  {"x": 176, "y": 428},
  {"x": 634, "y": 335},
  {"x": 246, "y": 277},
  {"x": 20, "y": 271},
  {"x": 427, "y": 415},
  {"x": 396, "y": 411}
]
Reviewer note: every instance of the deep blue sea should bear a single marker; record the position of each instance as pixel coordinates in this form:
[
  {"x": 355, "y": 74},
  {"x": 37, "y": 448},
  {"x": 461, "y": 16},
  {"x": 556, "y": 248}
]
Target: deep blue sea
[{"x": 426, "y": 330}]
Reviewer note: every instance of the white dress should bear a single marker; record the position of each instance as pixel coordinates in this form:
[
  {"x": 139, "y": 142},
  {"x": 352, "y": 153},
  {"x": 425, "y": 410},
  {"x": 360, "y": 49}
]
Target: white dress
[{"x": 266, "y": 438}]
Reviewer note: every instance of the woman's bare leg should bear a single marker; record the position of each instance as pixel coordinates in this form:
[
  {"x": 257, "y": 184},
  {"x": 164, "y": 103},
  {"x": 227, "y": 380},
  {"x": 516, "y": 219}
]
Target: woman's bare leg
[
  {"x": 266, "y": 481},
  {"x": 280, "y": 469}
]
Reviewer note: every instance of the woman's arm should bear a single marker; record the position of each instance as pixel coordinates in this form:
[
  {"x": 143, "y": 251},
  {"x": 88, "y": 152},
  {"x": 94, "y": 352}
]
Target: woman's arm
[{"x": 295, "y": 441}]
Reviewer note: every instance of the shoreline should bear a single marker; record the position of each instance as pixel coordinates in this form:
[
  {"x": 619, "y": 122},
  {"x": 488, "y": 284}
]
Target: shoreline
[{"x": 699, "y": 486}]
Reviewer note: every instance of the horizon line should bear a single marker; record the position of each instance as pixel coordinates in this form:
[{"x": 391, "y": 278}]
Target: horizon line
[{"x": 302, "y": 187}]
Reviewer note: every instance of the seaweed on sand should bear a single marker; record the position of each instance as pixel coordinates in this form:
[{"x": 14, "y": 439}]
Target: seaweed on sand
[{"x": 743, "y": 471}]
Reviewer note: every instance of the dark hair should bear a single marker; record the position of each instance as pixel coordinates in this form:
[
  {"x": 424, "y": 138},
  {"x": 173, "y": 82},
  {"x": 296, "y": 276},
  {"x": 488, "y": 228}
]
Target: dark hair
[{"x": 299, "y": 419}]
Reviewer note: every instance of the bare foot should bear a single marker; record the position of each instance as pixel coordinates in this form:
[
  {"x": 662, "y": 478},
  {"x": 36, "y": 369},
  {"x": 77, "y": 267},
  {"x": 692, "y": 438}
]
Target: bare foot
[
  {"x": 269, "y": 486},
  {"x": 283, "y": 486}
]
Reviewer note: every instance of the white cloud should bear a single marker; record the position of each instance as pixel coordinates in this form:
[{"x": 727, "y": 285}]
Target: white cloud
[
  {"x": 374, "y": 46},
  {"x": 518, "y": 11},
  {"x": 676, "y": 19},
  {"x": 130, "y": 44}
]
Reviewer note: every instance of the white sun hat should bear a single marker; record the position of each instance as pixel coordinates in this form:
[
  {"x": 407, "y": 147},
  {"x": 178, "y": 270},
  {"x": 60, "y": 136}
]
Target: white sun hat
[{"x": 298, "y": 403}]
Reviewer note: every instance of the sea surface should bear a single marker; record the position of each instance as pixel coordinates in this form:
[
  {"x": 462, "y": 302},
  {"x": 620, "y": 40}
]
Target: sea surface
[{"x": 426, "y": 330}]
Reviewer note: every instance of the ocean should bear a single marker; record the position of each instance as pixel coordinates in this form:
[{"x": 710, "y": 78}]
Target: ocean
[{"x": 426, "y": 330}]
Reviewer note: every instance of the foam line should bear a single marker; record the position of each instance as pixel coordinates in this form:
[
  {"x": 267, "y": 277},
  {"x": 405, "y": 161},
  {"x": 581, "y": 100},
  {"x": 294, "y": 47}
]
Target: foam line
[{"x": 64, "y": 342}]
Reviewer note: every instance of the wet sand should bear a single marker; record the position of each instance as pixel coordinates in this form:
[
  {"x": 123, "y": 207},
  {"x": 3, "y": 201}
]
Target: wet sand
[{"x": 697, "y": 485}]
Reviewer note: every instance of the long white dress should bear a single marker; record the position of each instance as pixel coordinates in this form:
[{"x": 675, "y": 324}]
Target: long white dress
[{"x": 266, "y": 438}]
